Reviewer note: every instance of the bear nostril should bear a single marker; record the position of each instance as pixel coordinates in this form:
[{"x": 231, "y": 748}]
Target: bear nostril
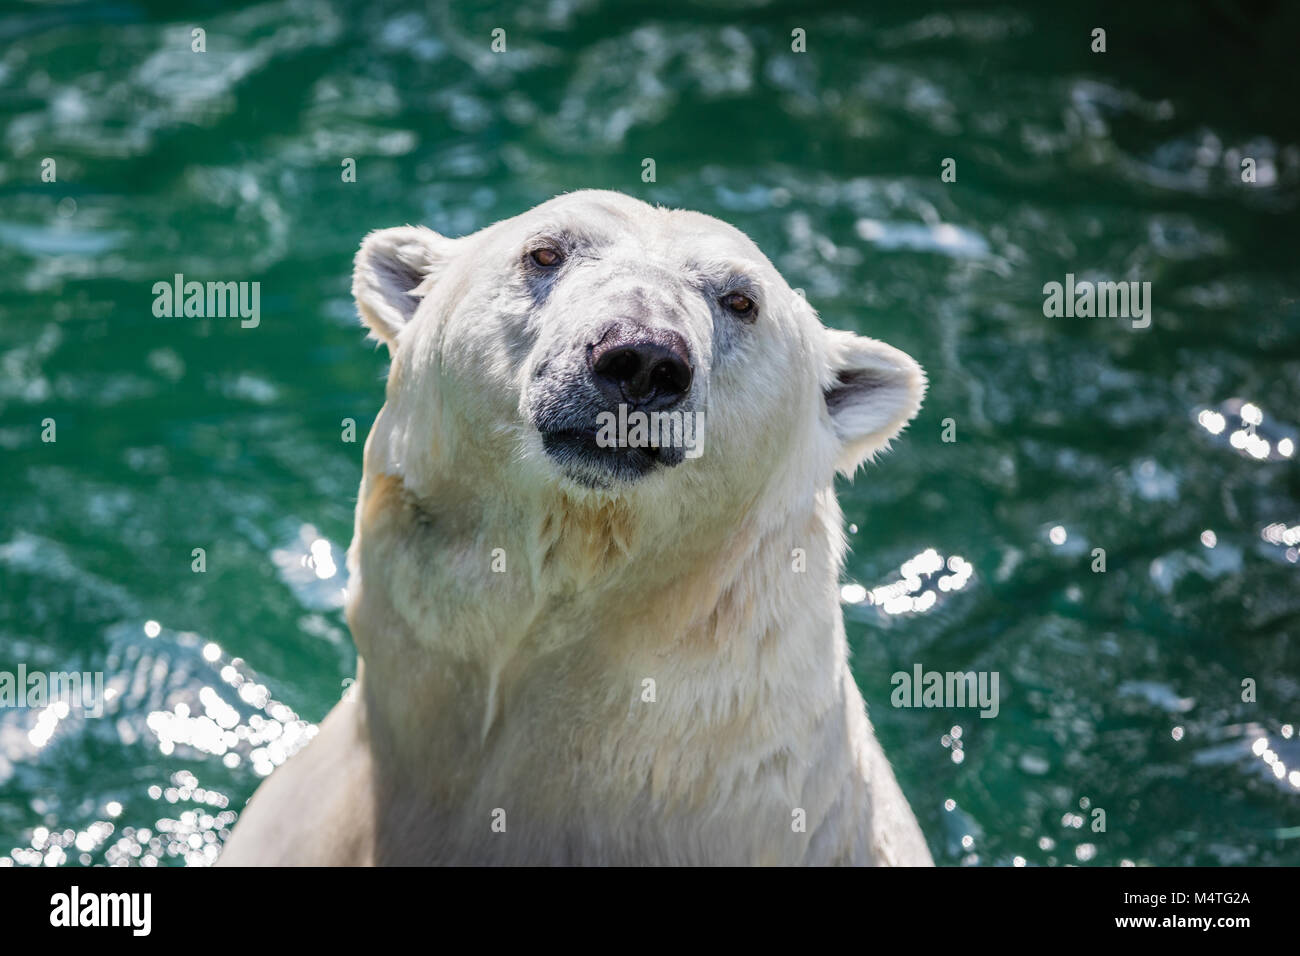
[
  {"x": 670, "y": 377},
  {"x": 646, "y": 368},
  {"x": 619, "y": 365}
]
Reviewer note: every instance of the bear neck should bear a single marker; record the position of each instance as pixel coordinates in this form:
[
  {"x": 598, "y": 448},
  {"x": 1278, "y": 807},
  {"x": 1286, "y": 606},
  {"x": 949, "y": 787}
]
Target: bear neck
[{"x": 590, "y": 633}]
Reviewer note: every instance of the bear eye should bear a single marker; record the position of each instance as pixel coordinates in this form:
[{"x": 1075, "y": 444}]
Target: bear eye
[
  {"x": 546, "y": 257},
  {"x": 739, "y": 303}
]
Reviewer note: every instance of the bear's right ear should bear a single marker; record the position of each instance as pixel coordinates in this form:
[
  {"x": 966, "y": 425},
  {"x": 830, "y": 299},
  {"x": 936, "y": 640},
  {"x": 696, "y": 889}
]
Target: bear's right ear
[
  {"x": 390, "y": 274},
  {"x": 872, "y": 391}
]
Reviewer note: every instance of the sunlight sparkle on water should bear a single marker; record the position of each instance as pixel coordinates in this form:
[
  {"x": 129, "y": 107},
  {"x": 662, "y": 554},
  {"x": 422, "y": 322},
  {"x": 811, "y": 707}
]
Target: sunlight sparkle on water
[{"x": 918, "y": 589}]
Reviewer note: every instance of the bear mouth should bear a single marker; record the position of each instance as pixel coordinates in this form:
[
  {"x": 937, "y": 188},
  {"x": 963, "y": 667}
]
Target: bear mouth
[{"x": 578, "y": 455}]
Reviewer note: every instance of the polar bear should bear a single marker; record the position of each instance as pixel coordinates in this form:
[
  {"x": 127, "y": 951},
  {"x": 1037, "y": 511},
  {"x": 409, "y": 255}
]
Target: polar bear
[{"x": 574, "y": 652}]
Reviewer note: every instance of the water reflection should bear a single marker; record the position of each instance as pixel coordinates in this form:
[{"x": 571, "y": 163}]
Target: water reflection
[
  {"x": 923, "y": 578},
  {"x": 1242, "y": 423},
  {"x": 219, "y": 710}
]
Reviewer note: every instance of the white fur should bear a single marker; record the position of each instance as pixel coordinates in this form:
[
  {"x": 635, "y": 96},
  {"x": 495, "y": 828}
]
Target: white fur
[{"x": 523, "y": 691}]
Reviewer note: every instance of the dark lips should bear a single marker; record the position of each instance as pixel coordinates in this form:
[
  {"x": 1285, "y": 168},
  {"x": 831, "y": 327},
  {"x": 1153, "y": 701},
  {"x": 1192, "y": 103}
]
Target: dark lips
[{"x": 583, "y": 460}]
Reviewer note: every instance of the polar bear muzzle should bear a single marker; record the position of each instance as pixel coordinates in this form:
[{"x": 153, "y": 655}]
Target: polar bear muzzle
[
  {"x": 646, "y": 368},
  {"x": 624, "y": 412}
]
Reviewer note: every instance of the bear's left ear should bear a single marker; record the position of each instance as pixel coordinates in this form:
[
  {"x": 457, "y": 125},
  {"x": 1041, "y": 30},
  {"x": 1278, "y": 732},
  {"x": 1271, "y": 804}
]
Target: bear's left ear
[
  {"x": 392, "y": 273},
  {"x": 872, "y": 390}
]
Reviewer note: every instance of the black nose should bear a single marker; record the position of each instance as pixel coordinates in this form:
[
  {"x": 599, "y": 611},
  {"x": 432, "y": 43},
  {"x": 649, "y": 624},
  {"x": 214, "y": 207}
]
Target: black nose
[{"x": 648, "y": 368}]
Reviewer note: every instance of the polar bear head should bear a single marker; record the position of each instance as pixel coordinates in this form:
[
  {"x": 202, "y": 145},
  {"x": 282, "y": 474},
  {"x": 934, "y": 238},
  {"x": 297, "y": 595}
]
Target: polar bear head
[{"x": 516, "y": 350}]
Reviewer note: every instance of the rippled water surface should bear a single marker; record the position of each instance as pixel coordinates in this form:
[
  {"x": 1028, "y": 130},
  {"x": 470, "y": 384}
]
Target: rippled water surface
[{"x": 1170, "y": 447}]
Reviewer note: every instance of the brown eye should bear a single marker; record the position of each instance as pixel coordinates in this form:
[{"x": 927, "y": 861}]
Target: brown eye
[
  {"x": 739, "y": 303},
  {"x": 546, "y": 257}
]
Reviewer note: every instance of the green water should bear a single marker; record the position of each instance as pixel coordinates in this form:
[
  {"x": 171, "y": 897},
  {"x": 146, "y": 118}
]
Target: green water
[{"x": 1120, "y": 690}]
